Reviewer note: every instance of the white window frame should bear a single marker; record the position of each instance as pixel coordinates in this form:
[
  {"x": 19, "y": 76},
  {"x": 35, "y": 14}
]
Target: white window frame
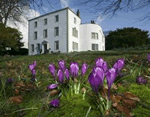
[
  {"x": 56, "y": 45},
  {"x": 94, "y": 35},
  {"x": 45, "y": 21},
  {"x": 95, "y": 47},
  {"x": 35, "y": 35},
  {"x": 32, "y": 47},
  {"x": 56, "y": 18},
  {"x": 35, "y": 24},
  {"x": 45, "y": 33},
  {"x": 56, "y": 31}
]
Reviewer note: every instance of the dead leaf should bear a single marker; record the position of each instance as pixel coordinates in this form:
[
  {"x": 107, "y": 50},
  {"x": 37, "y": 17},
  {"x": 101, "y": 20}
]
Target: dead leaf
[
  {"x": 54, "y": 92},
  {"x": 16, "y": 91},
  {"x": 17, "y": 99},
  {"x": 125, "y": 70},
  {"x": 124, "y": 110},
  {"x": 114, "y": 87},
  {"x": 131, "y": 96},
  {"x": 148, "y": 69},
  {"x": 75, "y": 80},
  {"x": 114, "y": 104},
  {"x": 119, "y": 84},
  {"x": 116, "y": 98},
  {"x": 19, "y": 84},
  {"x": 129, "y": 103}
]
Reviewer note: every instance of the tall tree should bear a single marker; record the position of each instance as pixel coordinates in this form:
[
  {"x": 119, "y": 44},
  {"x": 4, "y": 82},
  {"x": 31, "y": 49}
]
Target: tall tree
[
  {"x": 10, "y": 37},
  {"x": 126, "y": 37},
  {"x": 110, "y": 7},
  {"x": 13, "y": 10}
]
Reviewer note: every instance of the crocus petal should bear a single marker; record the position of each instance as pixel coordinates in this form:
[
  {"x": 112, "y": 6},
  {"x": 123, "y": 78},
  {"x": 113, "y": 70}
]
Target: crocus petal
[
  {"x": 55, "y": 103},
  {"x": 94, "y": 81},
  {"x": 141, "y": 80},
  {"x": 10, "y": 80},
  {"x": 119, "y": 64},
  {"x": 34, "y": 64},
  {"x": 76, "y": 69},
  {"x": 33, "y": 72},
  {"x": 110, "y": 76},
  {"x": 66, "y": 73},
  {"x": 60, "y": 76},
  {"x": 84, "y": 68},
  {"x": 31, "y": 67},
  {"x": 99, "y": 62},
  {"x": 148, "y": 57},
  {"x": 52, "y": 86},
  {"x": 52, "y": 69},
  {"x": 100, "y": 72},
  {"x": 62, "y": 64},
  {"x": 105, "y": 66}
]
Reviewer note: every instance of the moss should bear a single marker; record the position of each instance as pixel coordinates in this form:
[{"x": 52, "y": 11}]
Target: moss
[{"x": 139, "y": 111}]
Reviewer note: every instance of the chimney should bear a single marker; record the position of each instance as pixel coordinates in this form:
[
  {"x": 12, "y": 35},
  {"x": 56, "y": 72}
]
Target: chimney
[{"x": 78, "y": 13}]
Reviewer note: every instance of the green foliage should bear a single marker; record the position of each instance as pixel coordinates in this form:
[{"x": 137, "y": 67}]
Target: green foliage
[
  {"x": 10, "y": 37},
  {"x": 126, "y": 37}
]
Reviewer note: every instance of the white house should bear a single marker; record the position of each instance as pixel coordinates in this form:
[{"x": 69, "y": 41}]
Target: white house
[{"x": 63, "y": 31}]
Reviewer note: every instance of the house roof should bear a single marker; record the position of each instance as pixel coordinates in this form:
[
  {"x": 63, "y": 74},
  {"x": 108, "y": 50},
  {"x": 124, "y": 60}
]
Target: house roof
[{"x": 53, "y": 12}]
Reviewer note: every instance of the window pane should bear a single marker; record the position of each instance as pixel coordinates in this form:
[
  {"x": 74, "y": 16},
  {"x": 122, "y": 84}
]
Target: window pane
[
  {"x": 93, "y": 35},
  {"x": 35, "y": 35},
  {"x": 96, "y": 35},
  {"x": 38, "y": 47},
  {"x": 32, "y": 48},
  {"x": 35, "y": 24},
  {"x": 56, "y": 18},
  {"x": 93, "y": 46},
  {"x": 45, "y": 21},
  {"x": 96, "y": 46}
]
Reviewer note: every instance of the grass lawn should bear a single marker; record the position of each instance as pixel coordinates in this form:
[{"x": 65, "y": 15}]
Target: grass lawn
[{"x": 24, "y": 99}]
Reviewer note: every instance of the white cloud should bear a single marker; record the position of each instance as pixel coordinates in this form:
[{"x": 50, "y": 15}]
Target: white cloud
[
  {"x": 64, "y": 3},
  {"x": 24, "y": 29},
  {"x": 99, "y": 19}
]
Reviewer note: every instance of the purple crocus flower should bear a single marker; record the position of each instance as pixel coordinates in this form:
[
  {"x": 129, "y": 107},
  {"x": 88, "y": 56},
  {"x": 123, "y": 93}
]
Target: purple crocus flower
[
  {"x": 74, "y": 68},
  {"x": 84, "y": 68},
  {"x": 55, "y": 103},
  {"x": 100, "y": 72},
  {"x": 67, "y": 74},
  {"x": 31, "y": 67},
  {"x": 10, "y": 80},
  {"x": 34, "y": 64},
  {"x": 52, "y": 86},
  {"x": 62, "y": 64},
  {"x": 110, "y": 76},
  {"x": 52, "y": 69},
  {"x": 60, "y": 76},
  {"x": 94, "y": 81},
  {"x": 99, "y": 62},
  {"x": 148, "y": 57},
  {"x": 105, "y": 66},
  {"x": 119, "y": 64},
  {"x": 33, "y": 72},
  {"x": 140, "y": 80}
]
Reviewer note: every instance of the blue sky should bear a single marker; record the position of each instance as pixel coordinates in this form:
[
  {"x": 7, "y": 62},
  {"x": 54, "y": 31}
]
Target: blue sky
[{"x": 123, "y": 19}]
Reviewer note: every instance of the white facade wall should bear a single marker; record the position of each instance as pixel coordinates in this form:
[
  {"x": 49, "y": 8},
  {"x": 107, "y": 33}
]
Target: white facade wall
[
  {"x": 65, "y": 38},
  {"x": 71, "y": 25},
  {"x": 51, "y": 24},
  {"x": 86, "y": 40}
]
